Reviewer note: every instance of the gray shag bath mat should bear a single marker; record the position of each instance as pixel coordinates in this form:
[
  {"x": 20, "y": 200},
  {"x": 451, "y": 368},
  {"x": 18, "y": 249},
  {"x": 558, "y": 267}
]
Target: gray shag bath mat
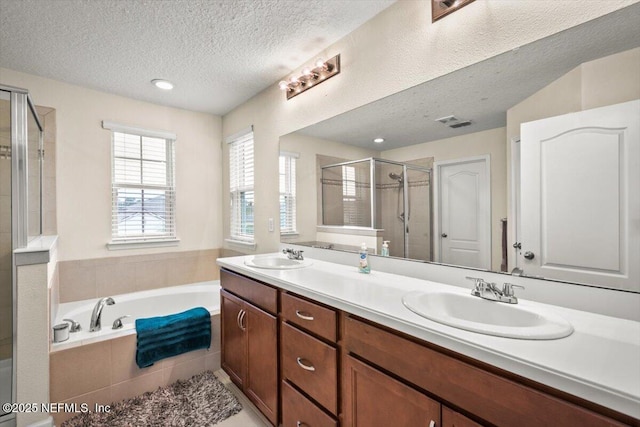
[{"x": 199, "y": 401}]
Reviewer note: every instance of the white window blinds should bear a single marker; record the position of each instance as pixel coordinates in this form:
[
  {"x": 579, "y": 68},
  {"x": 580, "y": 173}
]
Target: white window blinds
[
  {"x": 143, "y": 188},
  {"x": 287, "y": 181},
  {"x": 241, "y": 187}
]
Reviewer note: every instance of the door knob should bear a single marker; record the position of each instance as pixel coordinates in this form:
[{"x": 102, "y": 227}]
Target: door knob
[
  {"x": 444, "y": 235},
  {"x": 529, "y": 255}
]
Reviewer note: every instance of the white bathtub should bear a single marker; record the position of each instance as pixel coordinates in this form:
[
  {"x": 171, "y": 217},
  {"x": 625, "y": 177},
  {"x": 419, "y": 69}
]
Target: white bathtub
[{"x": 156, "y": 302}]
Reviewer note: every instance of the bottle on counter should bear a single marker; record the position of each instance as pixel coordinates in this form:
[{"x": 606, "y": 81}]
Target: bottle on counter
[
  {"x": 385, "y": 248},
  {"x": 363, "y": 262}
]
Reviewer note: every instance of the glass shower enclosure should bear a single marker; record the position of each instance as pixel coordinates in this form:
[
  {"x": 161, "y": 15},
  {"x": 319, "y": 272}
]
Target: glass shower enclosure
[
  {"x": 392, "y": 197},
  {"x": 21, "y": 145}
]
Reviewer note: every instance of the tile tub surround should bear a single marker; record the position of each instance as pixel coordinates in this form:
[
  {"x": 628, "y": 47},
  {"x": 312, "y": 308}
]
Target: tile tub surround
[
  {"x": 106, "y": 371},
  {"x": 101, "y": 277}
]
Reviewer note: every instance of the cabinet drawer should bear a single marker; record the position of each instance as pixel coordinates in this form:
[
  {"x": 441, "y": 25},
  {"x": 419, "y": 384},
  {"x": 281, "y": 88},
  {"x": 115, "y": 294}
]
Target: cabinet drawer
[
  {"x": 299, "y": 411},
  {"x": 493, "y": 398},
  {"x": 260, "y": 295},
  {"x": 312, "y": 317},
  {"x": 451, "y": 418},
  {"x": 311, "y": 365}
]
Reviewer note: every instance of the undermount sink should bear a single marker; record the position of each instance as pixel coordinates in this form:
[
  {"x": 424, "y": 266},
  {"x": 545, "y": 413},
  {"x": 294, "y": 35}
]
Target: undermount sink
[
  {"x": 276, "y": 262},
  {"x": 465, "y": 311}
]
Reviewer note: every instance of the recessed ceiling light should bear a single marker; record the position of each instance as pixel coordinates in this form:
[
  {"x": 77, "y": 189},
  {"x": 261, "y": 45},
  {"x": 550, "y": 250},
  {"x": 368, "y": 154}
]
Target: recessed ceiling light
[
  {"x": 378, "y": 140},
  {"x": 162, "y": 84}
]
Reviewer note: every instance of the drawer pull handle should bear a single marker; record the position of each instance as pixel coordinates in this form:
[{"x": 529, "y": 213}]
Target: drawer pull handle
[
  {"x": 305, "y": 366},
  {"x": 301, "y": 424},
  {"x": 242, "y": 326},
  {"x": 303, "y": 315},
  {"x": 238, "y": 319},
  {"x": 432, "y": 424}
]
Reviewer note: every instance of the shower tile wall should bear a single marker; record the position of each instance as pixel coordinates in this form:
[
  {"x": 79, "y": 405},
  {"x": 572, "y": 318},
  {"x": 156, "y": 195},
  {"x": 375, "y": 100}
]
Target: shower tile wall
[{"x": 5, "y": 236}]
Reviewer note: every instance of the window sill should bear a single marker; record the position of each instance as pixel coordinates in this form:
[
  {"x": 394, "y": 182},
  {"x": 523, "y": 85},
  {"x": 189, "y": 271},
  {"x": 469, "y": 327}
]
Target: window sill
[
  {"x": 142, "y": 244},
  {"x": 289, "y": 234},
  {"x": 242, "y": 244}
]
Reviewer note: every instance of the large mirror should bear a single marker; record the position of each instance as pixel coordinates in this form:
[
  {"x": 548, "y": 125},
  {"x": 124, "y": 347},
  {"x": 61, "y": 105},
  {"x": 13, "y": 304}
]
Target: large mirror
[{"x": 526, "y": 163}]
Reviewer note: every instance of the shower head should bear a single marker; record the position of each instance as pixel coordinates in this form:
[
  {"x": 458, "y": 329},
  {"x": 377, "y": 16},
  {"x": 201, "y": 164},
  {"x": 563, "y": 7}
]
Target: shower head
[{"x": 396, "y": 177}]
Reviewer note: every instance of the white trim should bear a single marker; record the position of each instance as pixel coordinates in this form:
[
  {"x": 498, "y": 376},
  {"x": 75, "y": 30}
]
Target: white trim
[
  {"x": 514, "y": 205},
  {"x": 290, "y": 154},
  {"x": 142, "y": 244},
  {"x": 151, "y": 133},
  {"x": 247, "y": 245},
  {"x": 231, "y": 138}
]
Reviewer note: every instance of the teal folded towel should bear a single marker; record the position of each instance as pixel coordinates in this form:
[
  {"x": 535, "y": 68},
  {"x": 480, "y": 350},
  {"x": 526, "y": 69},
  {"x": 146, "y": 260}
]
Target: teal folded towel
[{"x": 166, "y": 336}]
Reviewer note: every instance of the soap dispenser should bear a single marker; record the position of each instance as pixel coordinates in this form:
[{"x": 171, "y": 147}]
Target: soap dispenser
[
  {"x": 385, "y": 248},
  {"x": 363, "y": 264}
]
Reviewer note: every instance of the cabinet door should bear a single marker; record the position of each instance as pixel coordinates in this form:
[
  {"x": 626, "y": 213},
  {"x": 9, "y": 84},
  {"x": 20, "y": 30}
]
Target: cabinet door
[
  {"x": 373, "y": 399},
  {"x": 262, "y": 360},
  {"x": 234, "y": 343},
  {"x": 451, "y": 418}
]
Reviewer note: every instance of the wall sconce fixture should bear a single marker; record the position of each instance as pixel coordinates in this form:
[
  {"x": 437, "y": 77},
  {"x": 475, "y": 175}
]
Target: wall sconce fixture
[
  {"x": 441, "y": 8},
  {"x": 311, "y": 77}
]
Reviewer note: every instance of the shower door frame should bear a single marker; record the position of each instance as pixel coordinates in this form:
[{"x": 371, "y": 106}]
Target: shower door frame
[
  {"x": 405, "y": 167},
  {"x": 20, "y": 102}
]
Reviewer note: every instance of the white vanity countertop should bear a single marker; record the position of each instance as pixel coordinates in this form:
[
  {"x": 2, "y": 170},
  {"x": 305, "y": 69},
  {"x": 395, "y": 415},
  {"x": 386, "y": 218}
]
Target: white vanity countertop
[{"x": 599, "y": 362}]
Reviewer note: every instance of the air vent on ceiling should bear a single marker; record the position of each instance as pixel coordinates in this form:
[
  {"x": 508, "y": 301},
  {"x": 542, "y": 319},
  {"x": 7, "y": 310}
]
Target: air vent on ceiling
[
  {"x": 460, "y": 124},
  {"x": 453, "y": 122}
]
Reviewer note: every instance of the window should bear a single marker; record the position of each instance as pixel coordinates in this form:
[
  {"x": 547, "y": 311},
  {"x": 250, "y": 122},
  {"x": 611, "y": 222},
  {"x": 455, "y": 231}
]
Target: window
[
  {"x": 142, "y": 185},
  {"x": 288, "y": 193},
  {"x": 241, "y": 186},
  {"x": 352, "y": 205}
]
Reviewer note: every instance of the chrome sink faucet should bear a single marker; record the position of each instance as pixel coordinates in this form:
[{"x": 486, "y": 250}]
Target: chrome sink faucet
[
  {"x": 491, "y": 292},
  {"x": 96, "y": 316},
  {"x": 293, "y": 254}
]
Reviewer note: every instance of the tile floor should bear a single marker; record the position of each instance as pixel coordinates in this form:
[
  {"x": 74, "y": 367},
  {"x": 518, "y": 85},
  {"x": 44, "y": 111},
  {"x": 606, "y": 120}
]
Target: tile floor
[{"x": 250, "y": 416}]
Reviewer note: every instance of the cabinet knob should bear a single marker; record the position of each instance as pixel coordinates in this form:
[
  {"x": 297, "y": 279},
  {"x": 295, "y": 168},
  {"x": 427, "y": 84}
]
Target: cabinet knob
[
  {"x": 303, "y": 315},
  {"x": 304, "y": 366},
  {"x": 444, "y": 235}
]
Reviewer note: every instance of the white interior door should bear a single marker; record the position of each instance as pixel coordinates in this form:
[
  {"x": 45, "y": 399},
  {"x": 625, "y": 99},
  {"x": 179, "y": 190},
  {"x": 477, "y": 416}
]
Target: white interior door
[
  {"x": 463, "y": 212},
  {"x": 580, "y": 196}
]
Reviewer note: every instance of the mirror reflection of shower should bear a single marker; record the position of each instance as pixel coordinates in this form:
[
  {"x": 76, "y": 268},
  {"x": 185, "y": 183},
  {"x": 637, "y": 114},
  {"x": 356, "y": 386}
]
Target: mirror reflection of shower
[
  {"x": 400, "y": 204},
  {"x": 393, "y": 199}
]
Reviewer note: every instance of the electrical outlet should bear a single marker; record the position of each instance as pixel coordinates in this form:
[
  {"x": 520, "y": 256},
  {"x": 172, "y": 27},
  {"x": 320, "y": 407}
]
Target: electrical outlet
[{"x": 271, "y": 225}]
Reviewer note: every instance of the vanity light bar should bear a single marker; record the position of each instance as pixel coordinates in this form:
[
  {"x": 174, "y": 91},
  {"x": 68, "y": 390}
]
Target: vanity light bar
[{"x": 309, "y": 78}]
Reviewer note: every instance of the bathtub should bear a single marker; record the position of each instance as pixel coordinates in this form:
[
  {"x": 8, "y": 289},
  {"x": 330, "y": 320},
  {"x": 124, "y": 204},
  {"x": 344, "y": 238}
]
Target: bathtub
[{"x": 156, "y": 302}]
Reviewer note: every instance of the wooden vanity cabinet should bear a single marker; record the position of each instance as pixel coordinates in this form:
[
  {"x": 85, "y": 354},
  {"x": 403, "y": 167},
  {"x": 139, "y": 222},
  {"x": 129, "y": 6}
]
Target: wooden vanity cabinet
[
  {"x": 309, "y": 363},
  {"x": 249, "y": 329},
  {"x": 489, "y": 396}
]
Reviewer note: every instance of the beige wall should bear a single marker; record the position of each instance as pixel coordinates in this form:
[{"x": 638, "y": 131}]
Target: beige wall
[
  {"x": 395, "y": 50},
  {"x": 83, "y": 158}
]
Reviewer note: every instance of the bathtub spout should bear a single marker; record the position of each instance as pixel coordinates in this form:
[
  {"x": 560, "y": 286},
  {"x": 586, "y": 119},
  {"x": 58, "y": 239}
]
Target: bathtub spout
[{"x": 96, "y": 316}]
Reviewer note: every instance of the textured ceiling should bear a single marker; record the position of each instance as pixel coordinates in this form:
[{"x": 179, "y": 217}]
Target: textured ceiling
[
  {"x": 217, "y": 53},
  {"x": 482, "y": 92}
]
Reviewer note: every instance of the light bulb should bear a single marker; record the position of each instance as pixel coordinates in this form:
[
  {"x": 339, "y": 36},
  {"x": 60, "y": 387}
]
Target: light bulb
[
  {"x": 162, "y": 84},
  {"x": 319, "y": 63},
  {"x": 283, "y": 85},
  {"x": 306, "y": 72},
  {"x": 378, "y": 140}
]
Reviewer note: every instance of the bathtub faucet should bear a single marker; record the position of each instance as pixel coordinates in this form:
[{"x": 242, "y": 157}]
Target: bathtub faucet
[{"x": 96, "y": 316}]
